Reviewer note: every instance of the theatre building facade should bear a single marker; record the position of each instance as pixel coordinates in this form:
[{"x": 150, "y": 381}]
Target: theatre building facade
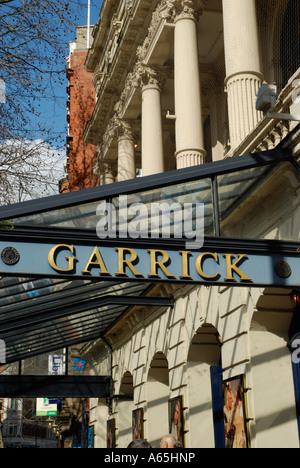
[
  {"x": 176, "y": 85},
  {"x": 209, "y": 352}
]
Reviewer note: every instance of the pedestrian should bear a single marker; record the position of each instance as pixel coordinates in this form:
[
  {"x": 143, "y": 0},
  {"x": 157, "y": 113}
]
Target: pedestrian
[
  {"x": 139, "y": 443},
  {"x": 168, "y": 441}
]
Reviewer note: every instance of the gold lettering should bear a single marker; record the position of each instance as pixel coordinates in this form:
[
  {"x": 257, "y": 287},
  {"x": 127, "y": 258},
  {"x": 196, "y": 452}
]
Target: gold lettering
[
  {"x": 96, "y": 260},
  {"x": 70, "y": 260},
  {"x": 230, "y": 267},
  {"x": 128, "y": 262},
  {"x": 159, "y": 264},
  {"x": 199, "y": 264},
  {"x": 185, "y": 264}
]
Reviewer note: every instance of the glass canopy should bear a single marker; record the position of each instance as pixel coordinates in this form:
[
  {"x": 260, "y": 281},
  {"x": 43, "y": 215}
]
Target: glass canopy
[
  {"x": 224, "y": 188},
  {"x": 39, "y": 315}
]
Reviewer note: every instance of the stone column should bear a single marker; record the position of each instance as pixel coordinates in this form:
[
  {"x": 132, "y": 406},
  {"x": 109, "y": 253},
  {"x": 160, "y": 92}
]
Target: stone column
[
  {"x": 188, "y": 108},
  {"x": 107, "y": 173},
  {"x": 104, "y": 168},
  {"x": 243, "y": 71},
  {"x": 152, "y": 135},
  {"x": 126, "y": 161}
]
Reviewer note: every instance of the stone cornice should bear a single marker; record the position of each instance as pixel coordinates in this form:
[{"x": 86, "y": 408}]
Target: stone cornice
[
  {"x": 169, "y": 10},
  {"x": 100, "y": 31},
  {"x": 133, "y": 31},
  {"x": 164, "y": 11}
]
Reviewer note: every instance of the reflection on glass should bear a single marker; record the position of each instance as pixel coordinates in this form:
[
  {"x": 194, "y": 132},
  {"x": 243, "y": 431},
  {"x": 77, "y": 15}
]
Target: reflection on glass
[
  {"x": 172, "y": 205},
  {"x": 73, "y": 217},
  {"x": 167, "y": 212},
  {"x": 161, "y": 212},
  {"x": 234, "y": 187},
  {"x": 249, "y": 198},
  {"x": 31, "y": 326}
]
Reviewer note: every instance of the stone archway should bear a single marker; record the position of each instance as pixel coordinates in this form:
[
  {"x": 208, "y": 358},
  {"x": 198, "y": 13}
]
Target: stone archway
[
  {"x": 157, "y": 399},
  {"x": 204, "y": 352},
  {"x": 125, "y": 407},
  {"x": 271, "y": 379}
]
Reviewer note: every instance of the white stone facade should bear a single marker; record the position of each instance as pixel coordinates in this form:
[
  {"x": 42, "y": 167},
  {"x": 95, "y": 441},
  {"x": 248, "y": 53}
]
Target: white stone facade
[{"x": 176, "y": 82}]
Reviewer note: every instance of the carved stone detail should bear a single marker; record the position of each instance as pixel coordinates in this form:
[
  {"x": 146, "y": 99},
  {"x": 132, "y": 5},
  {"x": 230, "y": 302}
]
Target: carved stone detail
[
  {"x": 189, "y": 8},
  {"x": 189, "y": 158},
  {"x": 148, "y": 76},
  {"x": 164, "y": 11},
  {"x": 169, "y": 10},
  {"x": 105, "y": 169},
  {"x": 117, "y": 128},
  {"x": 141, "y": 75},
  {"x": 129, "y": 6}
]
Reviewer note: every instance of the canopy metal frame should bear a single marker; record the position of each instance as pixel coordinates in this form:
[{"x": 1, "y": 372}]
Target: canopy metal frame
[
  {"x": 32, "y": 326},
  {"x": 165, "y": 179}
]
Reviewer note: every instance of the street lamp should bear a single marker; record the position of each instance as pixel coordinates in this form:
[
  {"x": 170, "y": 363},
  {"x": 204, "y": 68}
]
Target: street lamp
[
  {"x": 295, "y": 296},
  {"x": 266, "y": 101}
]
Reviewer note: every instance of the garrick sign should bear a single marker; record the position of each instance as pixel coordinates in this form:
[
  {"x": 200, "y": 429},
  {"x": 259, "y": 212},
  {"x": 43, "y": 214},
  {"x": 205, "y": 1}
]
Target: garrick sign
[
  {"x": 154, "y": 263},
  {"x": 217, "y": 263},
  {"x": 142, "y": 263}
]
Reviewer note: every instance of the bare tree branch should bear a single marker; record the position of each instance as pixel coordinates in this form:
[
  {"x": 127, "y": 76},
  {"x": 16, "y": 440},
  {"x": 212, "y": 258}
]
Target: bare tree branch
[{"x": 34, "y": 37}]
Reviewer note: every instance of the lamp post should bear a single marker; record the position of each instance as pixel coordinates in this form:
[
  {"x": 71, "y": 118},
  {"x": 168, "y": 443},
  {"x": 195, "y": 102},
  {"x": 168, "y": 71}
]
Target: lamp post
[{"x": 88, "y": 24}]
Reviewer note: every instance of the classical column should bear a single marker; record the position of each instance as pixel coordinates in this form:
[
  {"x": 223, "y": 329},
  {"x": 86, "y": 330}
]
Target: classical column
[
  {"x": 243, "y": 72},
  {"x": 152, "y": 136},
  {"x": 107, "y": 174},
  {"x": 126, "y": 161},
  {"x": 188, "y": 109}
]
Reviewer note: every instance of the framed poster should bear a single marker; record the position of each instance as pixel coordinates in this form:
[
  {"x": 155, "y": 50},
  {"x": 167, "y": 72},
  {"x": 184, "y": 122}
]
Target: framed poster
[
  {"x": 111, "y": 433},
  {"x": 176, "y": 419},
  {"x": 138, "y": 424},
  {"x": 234, "y": 412}
]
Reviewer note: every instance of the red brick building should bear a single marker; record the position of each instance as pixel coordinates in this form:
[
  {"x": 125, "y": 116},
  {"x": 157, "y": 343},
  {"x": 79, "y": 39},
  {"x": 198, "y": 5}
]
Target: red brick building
[{"x": 81, "y": 157}]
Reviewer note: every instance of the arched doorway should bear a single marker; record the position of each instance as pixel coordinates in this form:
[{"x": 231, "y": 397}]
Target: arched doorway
[
  {"x": 204, "y": 353},
  {"x": 125, "y": 407},
  {"x": 157, "y": 397},
  {"x": 272, "y": 385}
]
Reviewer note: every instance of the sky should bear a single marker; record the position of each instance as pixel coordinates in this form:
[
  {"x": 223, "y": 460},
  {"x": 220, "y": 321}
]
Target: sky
[
  {"x": 54, "y": 111},
  {"x": 48, "y": 154}
]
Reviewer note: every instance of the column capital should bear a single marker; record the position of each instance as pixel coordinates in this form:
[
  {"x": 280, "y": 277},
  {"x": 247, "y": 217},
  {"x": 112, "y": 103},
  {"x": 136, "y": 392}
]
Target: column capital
[
  {"x": 105, "y": 169},
  {"x": 189, "y": 9},
  {"x": 148, "y": 76},
  {"x": 125, "y": 130},
  {"x": 117, "y": 128}
]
